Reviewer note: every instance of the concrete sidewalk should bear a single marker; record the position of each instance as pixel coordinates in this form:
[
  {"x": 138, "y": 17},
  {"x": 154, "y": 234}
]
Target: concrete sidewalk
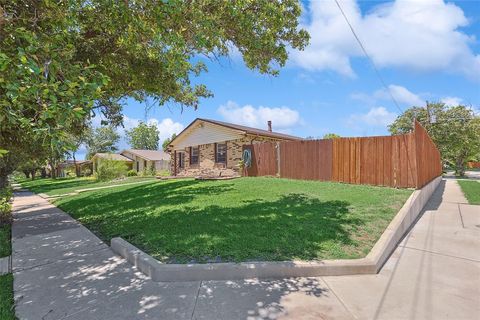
[{"x": 62, "y": 271}]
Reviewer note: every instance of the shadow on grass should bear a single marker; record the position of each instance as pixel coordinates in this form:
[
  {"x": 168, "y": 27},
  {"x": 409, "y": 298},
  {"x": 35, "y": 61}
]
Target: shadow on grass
[
  {"x": 48, "y": 185},
  {"x": 165, "y": 221}
]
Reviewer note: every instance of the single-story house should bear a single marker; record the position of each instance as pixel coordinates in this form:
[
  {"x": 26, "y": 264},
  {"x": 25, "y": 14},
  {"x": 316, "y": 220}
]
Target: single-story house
[
  {"x": 214, "y": 148},
  {"x": 98, "y": 157},
  {"x": 70, "y": 167},
  {"x": 146, "y": 159},
  {"x": 138, "y": 160}
]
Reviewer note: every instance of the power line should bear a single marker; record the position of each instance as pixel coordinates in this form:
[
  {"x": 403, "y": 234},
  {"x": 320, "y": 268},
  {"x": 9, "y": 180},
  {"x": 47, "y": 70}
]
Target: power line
[{"x": 377, "y": 72}]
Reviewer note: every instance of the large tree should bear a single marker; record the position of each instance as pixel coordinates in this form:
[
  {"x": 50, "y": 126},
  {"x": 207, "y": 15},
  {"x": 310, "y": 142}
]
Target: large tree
[
  {"x": 143, "y": 136},
  {"x": 454, "y": 130},
  {"x": 102, "y": 139},
  {"x": 63, "y": 61}
]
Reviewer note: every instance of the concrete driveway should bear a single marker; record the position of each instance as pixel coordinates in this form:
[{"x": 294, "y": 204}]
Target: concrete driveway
[{"x": 62, "y": 271}]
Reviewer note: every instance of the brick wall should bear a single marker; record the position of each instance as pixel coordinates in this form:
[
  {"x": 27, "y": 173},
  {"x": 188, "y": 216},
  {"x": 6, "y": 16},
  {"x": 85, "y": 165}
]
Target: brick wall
[{"x": 207, "y": 165}]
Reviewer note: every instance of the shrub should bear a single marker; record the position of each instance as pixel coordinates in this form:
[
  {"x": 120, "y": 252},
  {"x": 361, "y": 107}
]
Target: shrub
[
  {"x": 108, "y": 169},
  {"x": 152, "y": 171},
  {"x": 132, "y": 173},
  {"x": 5, "y": 205},
  {"x": 163, "y": 173},
  {"x": 148, "y": 171}
]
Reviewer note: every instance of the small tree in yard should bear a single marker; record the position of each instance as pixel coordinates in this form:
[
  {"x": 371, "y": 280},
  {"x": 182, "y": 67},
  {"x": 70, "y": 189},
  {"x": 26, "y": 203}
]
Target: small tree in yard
[
  {"x": 143, "y": 137},
  {"x": 109, "y": 169},
  {"x": 454, "y": 130}
]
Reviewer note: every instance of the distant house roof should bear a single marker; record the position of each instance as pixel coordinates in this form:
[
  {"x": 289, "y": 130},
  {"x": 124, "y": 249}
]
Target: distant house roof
[
  {"x": 152, "y": 155},
  {"x": 239, "y": 129},
  {"x": 70, "y": 162},
  {"x": 112, "y": 156}
]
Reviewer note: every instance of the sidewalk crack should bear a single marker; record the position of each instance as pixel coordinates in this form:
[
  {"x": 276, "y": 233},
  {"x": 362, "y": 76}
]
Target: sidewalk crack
[
  {"x": 461, "y": 217},
  {"x": 339, "y": 299},
  {"x": 196, "y": 299}
]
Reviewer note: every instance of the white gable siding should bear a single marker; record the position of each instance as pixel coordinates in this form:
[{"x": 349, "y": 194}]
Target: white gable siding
[{"x": 205, "y": 133}]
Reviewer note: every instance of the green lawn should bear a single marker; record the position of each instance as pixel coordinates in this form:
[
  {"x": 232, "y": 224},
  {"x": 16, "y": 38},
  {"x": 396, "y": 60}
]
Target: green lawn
[
  {"x": 67, "y": 185},
  {"x": 245, "y": 219},
  {"x": 5, "y": 247},
  {"x": 471, "y": 190},
  {"x": 7, "y": 311}
]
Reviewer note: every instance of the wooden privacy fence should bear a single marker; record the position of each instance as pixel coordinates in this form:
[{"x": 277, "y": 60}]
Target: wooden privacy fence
[
  {"x": 473, "y": 164},
  {"x": 406, "y": 161}
]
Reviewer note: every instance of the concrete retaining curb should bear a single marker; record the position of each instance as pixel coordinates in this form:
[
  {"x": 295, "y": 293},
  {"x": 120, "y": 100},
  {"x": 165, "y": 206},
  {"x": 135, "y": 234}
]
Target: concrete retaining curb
[
  {"x": 371, "y": 264},
  {"x": 5, "y": 265}
]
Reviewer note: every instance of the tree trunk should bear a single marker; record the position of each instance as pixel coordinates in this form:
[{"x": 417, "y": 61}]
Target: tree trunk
[
  {"x": 460, "y": 167},
  {"x": 77, "y": 168},
  {"x": 3, "y": 181},
  {"x": 26, "y": 173},
  {"x": 33, "y": 174},
  {"x": 53, "y": 171},
  {"x": 43, "y": 173}
]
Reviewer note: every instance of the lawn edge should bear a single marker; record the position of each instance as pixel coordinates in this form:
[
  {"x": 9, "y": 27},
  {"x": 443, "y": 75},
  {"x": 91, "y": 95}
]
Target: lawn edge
[{"x": 371, "y": 264}]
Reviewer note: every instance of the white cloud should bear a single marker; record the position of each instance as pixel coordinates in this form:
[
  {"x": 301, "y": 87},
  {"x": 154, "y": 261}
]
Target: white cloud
[
  {"x": 419, "y": 35},
  {"x": 282, "y": 117},
  {"x": 378, "y": 116},
  {"x": 451, "y": 101},
  {"x": 401, "y": 94},
  {"x": 166, "y": 126}
]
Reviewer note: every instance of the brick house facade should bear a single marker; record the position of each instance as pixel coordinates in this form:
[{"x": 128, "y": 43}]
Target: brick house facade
[{"x": 213, "y": 148}]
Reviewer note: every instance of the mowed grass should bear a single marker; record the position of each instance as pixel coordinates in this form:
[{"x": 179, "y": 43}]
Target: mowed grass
[
  {"x": 7, "y": 311},
  {"x": 246, "y": 219},
  {"x": 67, "y": 185},
  {"x": 5, "y": 246},
  {"x": 471, "y": 190}
]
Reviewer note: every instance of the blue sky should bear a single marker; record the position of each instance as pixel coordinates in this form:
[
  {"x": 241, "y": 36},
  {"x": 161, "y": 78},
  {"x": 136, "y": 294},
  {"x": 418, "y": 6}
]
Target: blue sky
[{"x": 424, "y": 49}]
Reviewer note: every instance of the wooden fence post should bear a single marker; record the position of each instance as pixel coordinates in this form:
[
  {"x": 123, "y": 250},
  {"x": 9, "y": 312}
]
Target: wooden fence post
[{"x": 277, "y": 146}]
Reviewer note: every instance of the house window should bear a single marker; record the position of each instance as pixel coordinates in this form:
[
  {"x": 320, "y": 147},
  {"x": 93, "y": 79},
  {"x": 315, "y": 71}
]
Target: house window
[
  {"x": 181, "y": 160},
  {"x": 144, "y": 164},
  {"x": 221, "y": 153},
  {"x": 194, "y": 155}
]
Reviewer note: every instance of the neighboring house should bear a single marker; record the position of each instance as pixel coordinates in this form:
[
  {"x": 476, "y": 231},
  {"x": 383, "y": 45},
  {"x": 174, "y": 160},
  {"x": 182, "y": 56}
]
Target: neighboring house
[
  {"x": 69, "y": 167},
  {"x": 138, "y": 160},
  {"x": 214, "y": 148},
  {"x": 146, "y": 159},
  {"x": 98, "y": 157}
]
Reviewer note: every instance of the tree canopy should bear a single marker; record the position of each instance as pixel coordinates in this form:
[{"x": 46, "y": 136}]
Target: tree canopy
[
  {"x": 167, "y": 141},
  {"x": 330, "y": 136},
  {"x": 454, "y": 130},
  {"x": 143, "y": 137},
  {"x": 102, "y": 139},
  {"x": 61, "y": 62}
]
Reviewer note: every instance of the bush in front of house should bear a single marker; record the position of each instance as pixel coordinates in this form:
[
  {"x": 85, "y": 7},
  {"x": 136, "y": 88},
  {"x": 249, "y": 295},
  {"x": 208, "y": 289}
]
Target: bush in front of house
[
  {"x": 163, "y": 173},
  {"x": 109, "y": 169},
  {"x": 132, "y": 173},
  {"x": 148, "y": 172},
  {"x": 152, "y": 171}
]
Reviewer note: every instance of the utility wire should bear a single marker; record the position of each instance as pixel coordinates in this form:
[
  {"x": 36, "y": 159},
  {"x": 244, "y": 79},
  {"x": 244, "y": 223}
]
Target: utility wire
[{"x": 377, "y": 72}]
